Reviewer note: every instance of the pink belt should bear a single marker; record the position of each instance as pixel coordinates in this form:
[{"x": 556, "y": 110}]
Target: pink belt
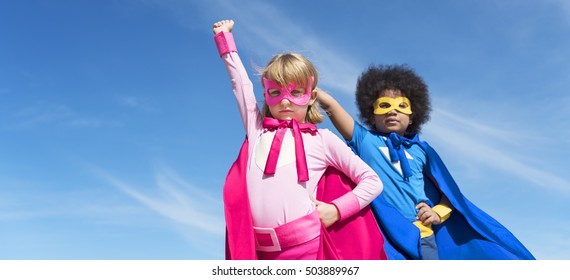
[{"x": 293, "y": 233}]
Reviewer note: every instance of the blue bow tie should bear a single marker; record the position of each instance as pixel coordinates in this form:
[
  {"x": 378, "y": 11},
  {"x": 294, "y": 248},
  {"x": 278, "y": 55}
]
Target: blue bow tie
[{"x": 396, "y": 144}]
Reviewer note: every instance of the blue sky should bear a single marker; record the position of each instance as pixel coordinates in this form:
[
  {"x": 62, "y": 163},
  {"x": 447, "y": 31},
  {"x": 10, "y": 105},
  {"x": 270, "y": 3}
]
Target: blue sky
[{"x": 118, "y": 125}]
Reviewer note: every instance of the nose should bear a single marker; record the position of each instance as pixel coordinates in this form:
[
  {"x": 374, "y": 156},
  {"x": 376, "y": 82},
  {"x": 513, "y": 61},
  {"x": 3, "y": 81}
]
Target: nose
[{"x": 285, "y": 102}]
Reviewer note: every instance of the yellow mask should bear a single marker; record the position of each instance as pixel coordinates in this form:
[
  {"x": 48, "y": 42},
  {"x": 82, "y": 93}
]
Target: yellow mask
[{"x": 384, "y": 105}]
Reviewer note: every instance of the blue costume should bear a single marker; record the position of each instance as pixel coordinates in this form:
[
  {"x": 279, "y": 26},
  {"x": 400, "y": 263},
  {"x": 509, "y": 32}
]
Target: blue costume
[{"x": 469, "y": 233}]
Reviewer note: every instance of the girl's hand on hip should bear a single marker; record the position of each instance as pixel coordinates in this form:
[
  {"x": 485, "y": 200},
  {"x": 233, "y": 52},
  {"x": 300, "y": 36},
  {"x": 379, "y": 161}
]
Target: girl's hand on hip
[{"x": 328, "y": 213}]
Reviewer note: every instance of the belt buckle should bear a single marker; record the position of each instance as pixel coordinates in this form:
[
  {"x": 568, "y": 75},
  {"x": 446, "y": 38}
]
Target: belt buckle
[{"x": 264, "y": 248}]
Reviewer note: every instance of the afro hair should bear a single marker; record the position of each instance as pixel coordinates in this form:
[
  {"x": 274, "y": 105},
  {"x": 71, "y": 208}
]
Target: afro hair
[{"x": 378, "y": 78}]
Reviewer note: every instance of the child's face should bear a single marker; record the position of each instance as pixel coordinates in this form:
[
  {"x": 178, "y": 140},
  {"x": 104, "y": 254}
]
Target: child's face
[
  {"x": 287, "y": 103},
  {"x": 393, "y": 120}
]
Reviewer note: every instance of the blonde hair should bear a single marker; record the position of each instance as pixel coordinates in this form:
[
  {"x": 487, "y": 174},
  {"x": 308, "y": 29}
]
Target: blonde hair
[{"x": 293, "y": 68}]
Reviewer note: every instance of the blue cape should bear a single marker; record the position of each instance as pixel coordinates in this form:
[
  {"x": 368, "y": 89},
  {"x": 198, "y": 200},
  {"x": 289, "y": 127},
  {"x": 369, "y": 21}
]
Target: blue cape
[{"x": 469, "y": 233}]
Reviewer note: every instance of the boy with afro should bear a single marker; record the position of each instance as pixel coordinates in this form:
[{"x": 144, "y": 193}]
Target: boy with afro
[{"x": 421, "y": 211}]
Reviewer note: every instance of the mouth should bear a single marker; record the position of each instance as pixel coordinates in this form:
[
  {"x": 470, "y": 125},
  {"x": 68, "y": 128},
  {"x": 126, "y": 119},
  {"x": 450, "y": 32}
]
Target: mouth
[{"x": 392, "y": 121}]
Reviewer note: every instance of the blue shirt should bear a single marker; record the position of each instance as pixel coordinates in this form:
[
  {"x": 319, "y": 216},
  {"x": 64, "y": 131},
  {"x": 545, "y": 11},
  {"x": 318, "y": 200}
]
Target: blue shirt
[{"x": 404, "y": 195}]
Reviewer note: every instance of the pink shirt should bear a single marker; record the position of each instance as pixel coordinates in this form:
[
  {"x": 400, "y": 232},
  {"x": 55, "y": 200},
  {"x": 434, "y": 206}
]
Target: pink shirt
[{"x": 278, "y": 199}]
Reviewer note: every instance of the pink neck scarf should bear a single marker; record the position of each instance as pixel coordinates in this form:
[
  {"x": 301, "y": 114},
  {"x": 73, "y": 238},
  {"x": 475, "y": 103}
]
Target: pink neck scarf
[{"x": 272, "y": 124}]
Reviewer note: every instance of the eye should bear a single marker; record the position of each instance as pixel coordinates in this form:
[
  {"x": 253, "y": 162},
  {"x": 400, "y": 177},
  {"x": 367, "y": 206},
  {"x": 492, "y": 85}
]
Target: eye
[
  {"x": 403, "y": 105},
  {"x": 274, "y": 92},
  {"x": 298, "y": 92},
  {"x": 384, "y": 105}
]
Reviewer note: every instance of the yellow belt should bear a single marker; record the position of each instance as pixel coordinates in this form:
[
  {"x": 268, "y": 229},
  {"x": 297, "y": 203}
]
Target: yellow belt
[
  {"x": 425, "y": 231},
  {"x": 443, "y": 211}
]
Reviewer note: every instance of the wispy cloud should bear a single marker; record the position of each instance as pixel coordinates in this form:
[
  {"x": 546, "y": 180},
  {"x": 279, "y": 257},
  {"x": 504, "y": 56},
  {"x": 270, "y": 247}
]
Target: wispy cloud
[
  {"x": 562, "y": 6},
  {"x": 487, "y": 146},
  {"x": 175, "y": 199},
  {"x": 85, "y": 123},
  {"x": 137, "y": 103},
  {"x": 467, "y": 124},
  {"x": 46, "y": 113},
  {"x": 40, "y": 114},
  {"x": 552, "y": 244},
  {"x": 32, "y": 200}
]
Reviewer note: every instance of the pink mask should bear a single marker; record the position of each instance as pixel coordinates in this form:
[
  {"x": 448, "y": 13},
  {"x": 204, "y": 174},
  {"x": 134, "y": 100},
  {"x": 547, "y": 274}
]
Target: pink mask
[{"x": 281, "y": 93}]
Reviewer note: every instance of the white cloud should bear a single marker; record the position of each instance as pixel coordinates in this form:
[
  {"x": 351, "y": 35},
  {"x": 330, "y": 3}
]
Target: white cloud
[
  {"x": 43, "y": 114},
  {"x": 137, "y": 103},
  {"x": 177, "y": 200},
  {"x": 32, "y": 200},
  {"x": 477, "y": 142},
  {"x": 562, "y": 6},
  {"x": 131, "y": 101},
  {"x": 550, "y": 238},
  {"x": 40, "y": 114}
]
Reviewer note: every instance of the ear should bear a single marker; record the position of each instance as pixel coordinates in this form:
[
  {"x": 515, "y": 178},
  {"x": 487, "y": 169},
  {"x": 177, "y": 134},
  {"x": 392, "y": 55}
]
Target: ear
[{"x": 313, "y": 97}]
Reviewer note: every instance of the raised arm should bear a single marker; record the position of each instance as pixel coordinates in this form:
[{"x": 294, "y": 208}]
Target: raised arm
[
  {"x": 340, "y": 118},
  {"x": 241, "y": 84}
]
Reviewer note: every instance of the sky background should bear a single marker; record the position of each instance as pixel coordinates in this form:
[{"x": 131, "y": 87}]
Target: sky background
[{"x": 118, "y": 124}]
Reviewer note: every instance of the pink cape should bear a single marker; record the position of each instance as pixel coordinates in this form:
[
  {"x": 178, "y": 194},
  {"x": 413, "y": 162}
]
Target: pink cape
[{"x": 354, "y": 238}]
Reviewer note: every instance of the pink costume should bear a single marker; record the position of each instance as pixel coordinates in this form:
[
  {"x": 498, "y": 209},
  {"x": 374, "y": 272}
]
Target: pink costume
[{"x": 284, "y": 219}]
